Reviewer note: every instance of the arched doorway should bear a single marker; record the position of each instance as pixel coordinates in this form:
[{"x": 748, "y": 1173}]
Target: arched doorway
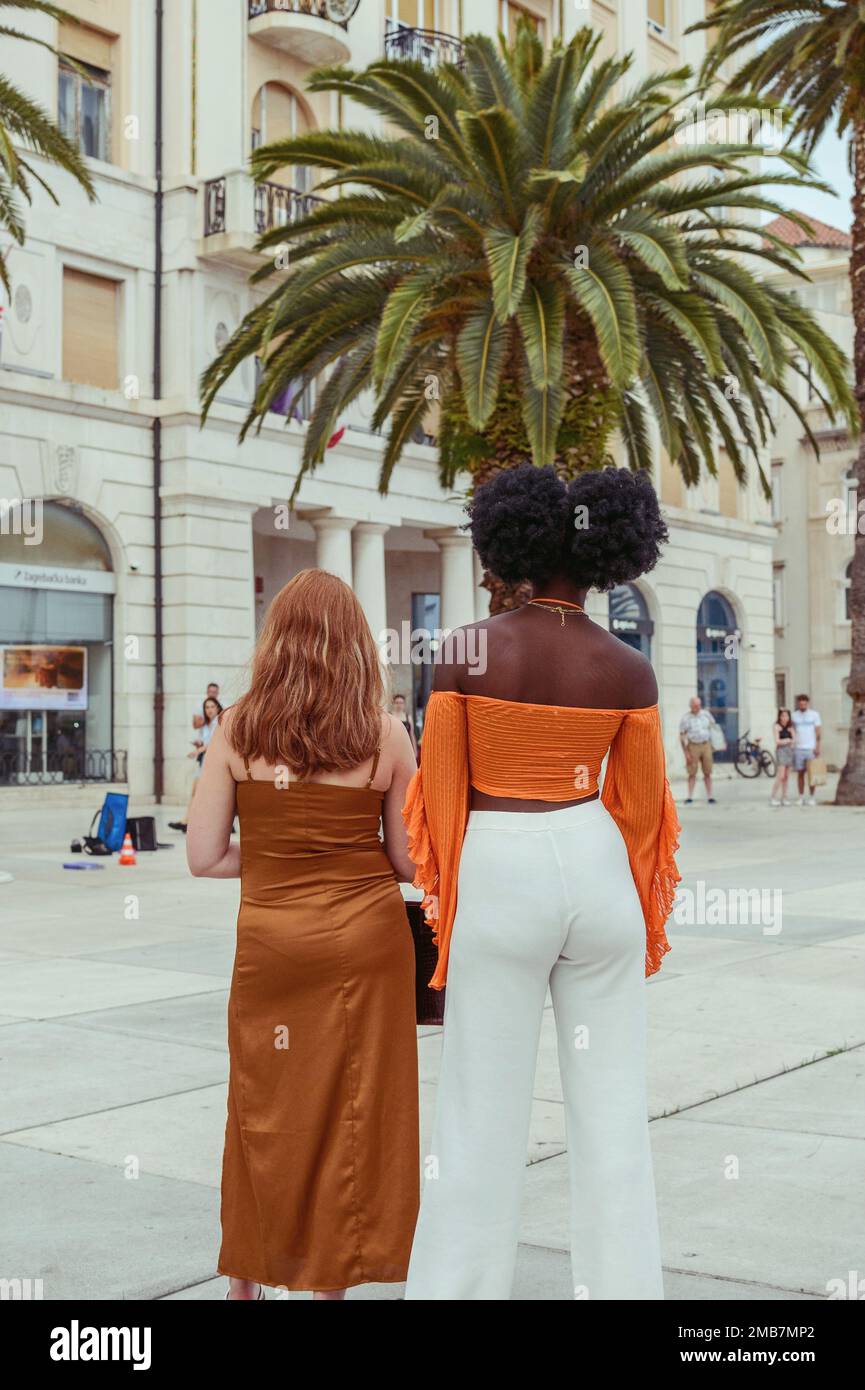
[
  {"x": 56, "y": 652},
  {"x": 718, "y": 640},
  {"x": 629, "y": 618}
]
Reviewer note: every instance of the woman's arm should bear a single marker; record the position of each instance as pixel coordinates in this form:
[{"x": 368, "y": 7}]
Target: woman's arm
[
  {"x": 404, "y": 768},
  {"x": 637, "y": 795},
  {"x": 209, "y": 851}
]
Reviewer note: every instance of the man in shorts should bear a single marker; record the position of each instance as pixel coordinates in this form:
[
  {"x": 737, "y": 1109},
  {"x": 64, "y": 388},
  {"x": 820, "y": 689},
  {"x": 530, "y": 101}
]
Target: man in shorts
[
  {"x": 808, "y": 726},
  {"x": 695, "y": 736}
]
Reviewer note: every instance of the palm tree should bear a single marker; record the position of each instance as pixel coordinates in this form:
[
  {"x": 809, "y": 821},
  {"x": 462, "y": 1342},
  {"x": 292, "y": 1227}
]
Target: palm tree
[
  {"x": 548, "y": 262},
  {"x": 809, "y": 56},
  {"x": 24, "y": 123}
]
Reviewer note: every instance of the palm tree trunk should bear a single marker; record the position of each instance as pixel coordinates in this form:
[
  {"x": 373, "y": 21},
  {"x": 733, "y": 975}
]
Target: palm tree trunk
[
  {"x": 589, "y": 419},
  {"x": 851, "y": 786}
]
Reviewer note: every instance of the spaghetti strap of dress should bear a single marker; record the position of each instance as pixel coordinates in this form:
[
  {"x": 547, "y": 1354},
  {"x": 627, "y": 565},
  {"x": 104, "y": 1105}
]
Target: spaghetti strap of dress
[
  {"x": 374, "y": 766},
  {"x": 249, "y": 776}
]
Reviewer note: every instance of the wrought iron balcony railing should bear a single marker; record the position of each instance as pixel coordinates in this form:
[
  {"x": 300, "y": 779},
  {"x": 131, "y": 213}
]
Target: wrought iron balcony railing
[
  {"x": 427, "y": 46},
  {"x": 214, "y": 206},
  {"x": 277, "y": 206},
  {"x": 274, "y": 205},
  {"x": 316, "y": 8}
]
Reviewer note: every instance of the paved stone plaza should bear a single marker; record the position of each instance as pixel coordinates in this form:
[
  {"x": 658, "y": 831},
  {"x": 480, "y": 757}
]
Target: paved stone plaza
[{"x": 114, "y": 1066}]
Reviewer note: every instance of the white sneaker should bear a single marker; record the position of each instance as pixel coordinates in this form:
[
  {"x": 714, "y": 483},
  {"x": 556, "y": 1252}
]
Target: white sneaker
[
  {"x": 812, "y": 801},
  {"x": 801, "y": 801},
  {"x": 773, "y": 802},
  {"x": 786, "y": 803}
]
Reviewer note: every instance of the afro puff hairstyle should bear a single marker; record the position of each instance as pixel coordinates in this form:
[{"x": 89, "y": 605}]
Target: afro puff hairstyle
[{"x": 602, "y": 529}]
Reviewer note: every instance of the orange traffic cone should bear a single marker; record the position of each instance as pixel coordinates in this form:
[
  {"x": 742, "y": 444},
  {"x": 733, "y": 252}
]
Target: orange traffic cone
[{"x": 127, "y": 854}]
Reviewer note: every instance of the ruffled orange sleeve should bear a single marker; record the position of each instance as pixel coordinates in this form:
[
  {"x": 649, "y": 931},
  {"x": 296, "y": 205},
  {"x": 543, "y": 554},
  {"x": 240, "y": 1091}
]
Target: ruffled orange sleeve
[
  {"x": 435, "y": 813},
  {"x": 637, "y": 795}
]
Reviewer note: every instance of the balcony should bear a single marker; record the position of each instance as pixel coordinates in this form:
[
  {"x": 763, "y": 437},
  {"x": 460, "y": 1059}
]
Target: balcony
[
  {"x": 238, "y": 211},
  {"x": 832, "y": 437},
  {"x": 426, "y": 46},
  {"x": 302, "y": 28}
]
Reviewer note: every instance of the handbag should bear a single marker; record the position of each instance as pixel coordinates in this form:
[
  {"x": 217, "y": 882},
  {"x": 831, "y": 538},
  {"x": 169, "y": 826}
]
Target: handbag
[
  {"x": 142, "y": 830},
  {"x": 718, "y": 738},
  {"x": 816, "y": 772},
  {"x": 429, "y": 1003}
]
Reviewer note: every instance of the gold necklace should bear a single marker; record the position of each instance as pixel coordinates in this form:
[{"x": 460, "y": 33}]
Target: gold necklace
[{"x": 558, "y": 605}]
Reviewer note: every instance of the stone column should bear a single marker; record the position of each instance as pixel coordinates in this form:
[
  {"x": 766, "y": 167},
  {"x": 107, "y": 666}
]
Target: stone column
[
  {"x": 457, "y": 577},
  {"x": 482, "y": 596},
  {"x": 333, "y": 545},
  {"x": 369, "y": 573}
]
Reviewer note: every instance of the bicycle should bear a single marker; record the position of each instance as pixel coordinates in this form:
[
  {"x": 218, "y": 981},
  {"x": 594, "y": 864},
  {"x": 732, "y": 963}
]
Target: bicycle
[{"x": 751, "y": 759}]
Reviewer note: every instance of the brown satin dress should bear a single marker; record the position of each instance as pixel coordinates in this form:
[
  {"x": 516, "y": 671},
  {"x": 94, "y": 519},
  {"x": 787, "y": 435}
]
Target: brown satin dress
[{"x": 320, "y": 1180}]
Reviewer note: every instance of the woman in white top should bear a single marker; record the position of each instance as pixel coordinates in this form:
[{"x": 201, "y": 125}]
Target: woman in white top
[{"x": 211, "y": 709}]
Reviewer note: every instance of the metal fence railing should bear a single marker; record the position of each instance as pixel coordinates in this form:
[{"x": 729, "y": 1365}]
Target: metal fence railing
[{"x": 72, "y": 765}]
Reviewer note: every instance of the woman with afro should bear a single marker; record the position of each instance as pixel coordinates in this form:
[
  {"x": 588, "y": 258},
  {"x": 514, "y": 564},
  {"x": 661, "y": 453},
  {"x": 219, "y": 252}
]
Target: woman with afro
[{"x": 537, "y": 879}]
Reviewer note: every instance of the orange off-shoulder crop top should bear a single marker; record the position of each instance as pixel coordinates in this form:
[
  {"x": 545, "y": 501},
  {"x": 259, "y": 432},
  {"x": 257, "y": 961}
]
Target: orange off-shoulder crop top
[{"x": 543, "y": 753}]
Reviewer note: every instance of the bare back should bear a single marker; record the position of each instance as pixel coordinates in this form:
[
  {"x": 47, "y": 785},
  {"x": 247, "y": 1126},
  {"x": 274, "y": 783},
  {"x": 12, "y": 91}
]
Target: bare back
[{"x": 533, "y": 656}]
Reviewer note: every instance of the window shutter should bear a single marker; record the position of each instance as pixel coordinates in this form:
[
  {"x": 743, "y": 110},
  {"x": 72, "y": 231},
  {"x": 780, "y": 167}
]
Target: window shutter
[
  {"x": 86, "y": 45},
  {"x": 89, "y": 329}
]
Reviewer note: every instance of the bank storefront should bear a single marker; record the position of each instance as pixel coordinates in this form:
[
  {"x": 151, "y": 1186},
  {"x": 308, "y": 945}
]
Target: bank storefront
[{"x": 56, "y": 654}]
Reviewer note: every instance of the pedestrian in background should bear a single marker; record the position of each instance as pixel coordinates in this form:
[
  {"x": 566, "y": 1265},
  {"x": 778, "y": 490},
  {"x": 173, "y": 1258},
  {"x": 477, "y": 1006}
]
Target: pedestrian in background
[
  {"x": 785, "y": 739},
  {"x": 211, "y": 693},
  {"x": 809, "y": 730},
  {"x": 398, "y": 706},
  {"x": 695, "y": 736},
  {"x": 209, "y": 718}
]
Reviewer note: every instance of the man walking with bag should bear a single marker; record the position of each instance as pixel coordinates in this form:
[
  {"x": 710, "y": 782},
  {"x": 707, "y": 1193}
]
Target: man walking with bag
[{"x": 697, "y": 739}]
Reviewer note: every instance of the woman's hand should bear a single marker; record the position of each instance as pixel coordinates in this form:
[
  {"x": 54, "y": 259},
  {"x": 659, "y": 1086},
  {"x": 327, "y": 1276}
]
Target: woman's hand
[{"x": 404, "y": 766}]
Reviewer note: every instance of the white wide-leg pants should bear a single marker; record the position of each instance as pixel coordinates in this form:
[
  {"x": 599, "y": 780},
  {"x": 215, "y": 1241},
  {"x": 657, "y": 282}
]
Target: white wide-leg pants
[{"x": 545, "y": 899}]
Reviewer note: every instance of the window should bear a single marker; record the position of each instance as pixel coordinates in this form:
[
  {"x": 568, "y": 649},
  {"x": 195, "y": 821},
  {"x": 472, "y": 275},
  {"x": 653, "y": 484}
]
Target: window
[
  {"x": 509, "y": 16},
  {"x": 657, "y": 12},
  {"x": 417, "y": 14},
  {"x": 84, "y": 108},
  {"x": 728, "y": 486},
  {"x": 291, "y": 402},
  {"x": 278, "y": 115},
  {"x": 85, "y": 77},
  {"x": 781, "y": 689},
  {"x": 90, "y": 329}
]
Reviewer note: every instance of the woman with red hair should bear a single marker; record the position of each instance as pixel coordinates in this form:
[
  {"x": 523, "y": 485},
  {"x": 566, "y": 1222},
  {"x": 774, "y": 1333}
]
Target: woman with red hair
[{"x": 320, "y": 1173}]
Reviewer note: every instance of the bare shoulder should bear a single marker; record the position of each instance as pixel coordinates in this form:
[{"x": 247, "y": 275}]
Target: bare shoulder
[
  {"x": 225, "y": 721},
  {"x": 396, "y": 745},
  {"x": 639, "y": 679},
  {"x": 391, "y": 727},
  {"x": 465, "y": 646},
  {"x": 394, "y": 735}
]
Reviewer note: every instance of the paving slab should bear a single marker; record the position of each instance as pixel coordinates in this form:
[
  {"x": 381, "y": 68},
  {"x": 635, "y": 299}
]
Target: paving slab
[
  {"x": 51, "y": 988},
  {"x": 89, "y": 1232},
  {"x": 197, "y": 1020},
  {"x": 92, "y": 1072},
  {"x": 177, "y": 1136}
]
